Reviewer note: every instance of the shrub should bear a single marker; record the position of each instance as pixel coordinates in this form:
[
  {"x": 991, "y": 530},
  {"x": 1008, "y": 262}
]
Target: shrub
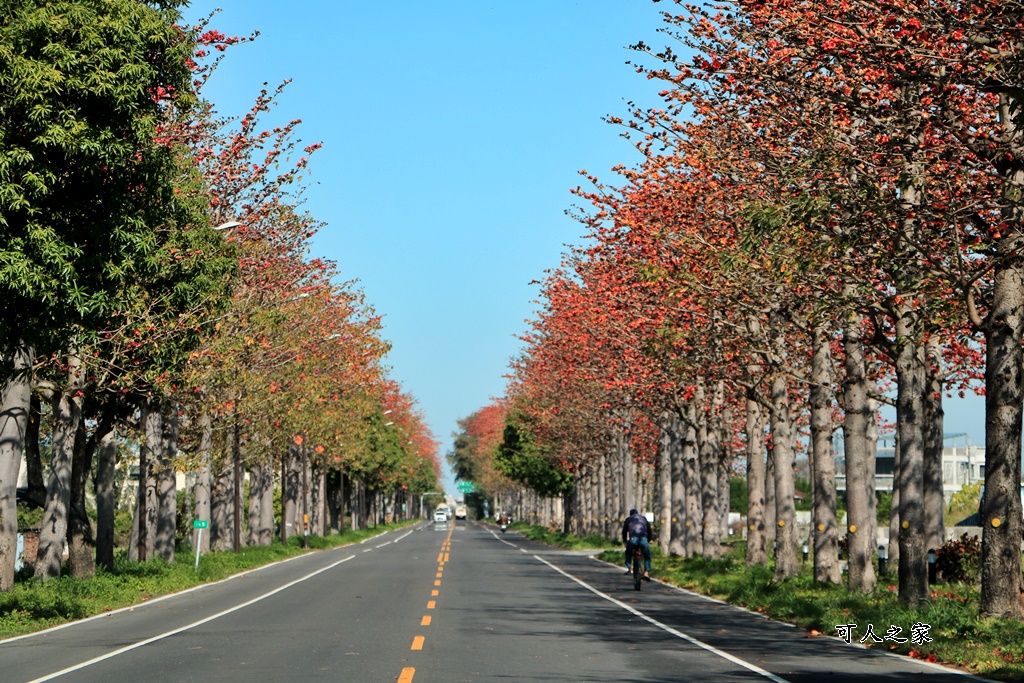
[{"x": 959, "y": 559}]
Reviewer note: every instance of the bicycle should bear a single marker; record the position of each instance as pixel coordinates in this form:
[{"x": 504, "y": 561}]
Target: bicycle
[{"x": 637, "y": 567}]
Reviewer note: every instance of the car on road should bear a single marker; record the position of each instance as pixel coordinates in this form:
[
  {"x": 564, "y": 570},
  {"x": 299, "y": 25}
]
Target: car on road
[
  {"x": 440, "y": 517},
  {"x": 460, "y": 512},
  {"x": 446, "y": 509}
]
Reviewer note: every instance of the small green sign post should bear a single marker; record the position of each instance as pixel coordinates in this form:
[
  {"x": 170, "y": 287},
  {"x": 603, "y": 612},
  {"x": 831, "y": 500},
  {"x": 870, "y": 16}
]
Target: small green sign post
[
  {"x": 199, "y": 525},
  {"x": 466, "y": 487}
]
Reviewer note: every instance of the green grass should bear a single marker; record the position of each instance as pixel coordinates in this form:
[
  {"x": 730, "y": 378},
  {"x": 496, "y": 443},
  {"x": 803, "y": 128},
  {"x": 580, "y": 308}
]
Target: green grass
[
  {"x": 562, "y": 540},
  {"x": 993, "y": 648},
  {"x": 33, "y": 605}
]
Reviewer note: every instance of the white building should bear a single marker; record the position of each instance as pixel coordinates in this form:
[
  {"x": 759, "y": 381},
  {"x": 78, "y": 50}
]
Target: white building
[{"x": 962, "y": 463}]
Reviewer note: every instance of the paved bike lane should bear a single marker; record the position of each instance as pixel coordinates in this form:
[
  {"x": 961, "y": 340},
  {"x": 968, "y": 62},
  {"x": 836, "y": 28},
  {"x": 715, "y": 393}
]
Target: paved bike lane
[{"x": 779, "y": 650}]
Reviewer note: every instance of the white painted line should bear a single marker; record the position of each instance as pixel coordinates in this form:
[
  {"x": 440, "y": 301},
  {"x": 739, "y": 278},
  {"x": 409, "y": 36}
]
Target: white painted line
[
  {"x": 168, "y": 634},
  {"x": 154, "y": 601},
  {"x": 668, "y": 629},
  {"x": 368, "y": 550},
  {"x": 383, "y": 544}
]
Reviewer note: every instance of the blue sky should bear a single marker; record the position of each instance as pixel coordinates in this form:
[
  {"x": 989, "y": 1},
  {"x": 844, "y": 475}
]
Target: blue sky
[{"x": 453, "y": 133}]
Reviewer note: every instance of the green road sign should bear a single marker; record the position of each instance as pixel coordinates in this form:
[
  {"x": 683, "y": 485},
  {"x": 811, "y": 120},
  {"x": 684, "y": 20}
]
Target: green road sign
[
  {"x": 201, "y": 524},
  {"x": 466, "y": 487}
]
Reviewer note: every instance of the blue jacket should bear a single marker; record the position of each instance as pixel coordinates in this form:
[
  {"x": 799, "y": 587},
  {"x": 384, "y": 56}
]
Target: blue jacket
[{"x": 636, "y": 526}]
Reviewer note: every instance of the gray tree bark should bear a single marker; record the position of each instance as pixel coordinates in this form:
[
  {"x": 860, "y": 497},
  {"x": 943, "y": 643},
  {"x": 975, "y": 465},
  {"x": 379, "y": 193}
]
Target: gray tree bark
[
  {"x": 693, "y": 539},
  {"x": 664, "y": 513},
  {"x": 1002, "y": 588},
  {"x": 823, "y": 517},
  {"x": 15, "y": 404},
  {"x": 786, "y": 563},
  {"x": 860, "y": 570},
  {"x": 913, "y": 566},
  {"x": 202, "y": 490},
  {"x": 934, "y": 500},
  {"x": 166, "y": 448},
  {"x": 106, "y": 496},
  {"x": 756, "y": 547},
  {"x": 81, "y": 543},
  {"x": 222, "y": 508},
  {"x": 710, "y": 527},
  {"x": 67, "y": 412}
]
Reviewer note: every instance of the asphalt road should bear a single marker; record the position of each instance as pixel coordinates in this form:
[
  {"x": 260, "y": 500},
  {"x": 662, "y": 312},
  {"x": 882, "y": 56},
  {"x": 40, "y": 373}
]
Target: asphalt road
[{"x": 443, "y": 604}]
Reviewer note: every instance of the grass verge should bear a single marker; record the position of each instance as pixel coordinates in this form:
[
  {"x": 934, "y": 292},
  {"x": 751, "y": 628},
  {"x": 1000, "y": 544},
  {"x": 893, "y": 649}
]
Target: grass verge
[
  {"x": 993, "y": 648},
  {"x": 562, "y": 540},
  {"x": 34, "y": 605}
]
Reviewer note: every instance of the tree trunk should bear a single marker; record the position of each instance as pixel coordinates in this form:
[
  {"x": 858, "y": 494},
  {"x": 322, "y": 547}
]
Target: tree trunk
[
  {"x": 143, "y": 541},
  {"x": 261, "y": 505},
  {"x": 81, "y": 546},
  {"x": 786, "y": 563},
  {"x": 203, "y": 486},
  {"x": 756, "y": 548},
  {"x": 913, "y": 566},
  {"x": 769, "y": 493},
  {"x": 67, "y": 412},
  {"x": 15, "y": 404},
  {"x": 693, "y": 539},
  {"x": 711, "y": 538},
  {"x": 166, "y": 446},
  {"x": 316, "y": 499},
  {"x": 1002, "y": 588},
  {"x": 222, "y": 508},
  {"x": 664, "y": 514},
  {"x": 934, "y": 500},
  {"x": 106, "y": 495},
  {"x": 860, "y": 570},
  {"x": 894, "y": 516},
  {"x": 33, "y": 458},
  {"x": 823, "y": 523}
]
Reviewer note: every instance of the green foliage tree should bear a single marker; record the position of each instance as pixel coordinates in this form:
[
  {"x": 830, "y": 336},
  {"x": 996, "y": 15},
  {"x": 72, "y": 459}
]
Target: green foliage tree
[
  {"x": 86, "y": 191},
  {"x": 520, "y": 459}
]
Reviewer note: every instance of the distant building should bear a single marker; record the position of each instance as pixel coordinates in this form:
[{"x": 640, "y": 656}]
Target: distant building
[{"x": 962, "y": 463}]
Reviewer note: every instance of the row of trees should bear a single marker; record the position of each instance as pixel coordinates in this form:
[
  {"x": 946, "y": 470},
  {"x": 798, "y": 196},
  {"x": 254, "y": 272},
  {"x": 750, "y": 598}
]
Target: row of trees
[
  {"x": 827, "y": 218},
  {"x": 161, "y": 302}
]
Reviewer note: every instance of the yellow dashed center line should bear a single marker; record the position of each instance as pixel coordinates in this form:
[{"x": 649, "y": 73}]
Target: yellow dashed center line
[
  {"x": 434, "y": 593},
  {"x": 417, "y": 643},
  {"x": 431, "y": 604},
  {"x": 437, "y": 583},
  {"x": 425, "y": 621},
  {"x": 407, "y": 675}
]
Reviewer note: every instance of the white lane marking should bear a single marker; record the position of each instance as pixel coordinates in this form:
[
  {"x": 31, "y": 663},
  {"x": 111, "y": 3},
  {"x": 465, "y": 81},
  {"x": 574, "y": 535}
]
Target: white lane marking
[
  {"x": 154, "y": 601},
  {"x": 368, "y": 550},
  {"x": 405, "y": 535},
  {"x": 168, "y": 634},
  {"x": 383, "y": 544},
  {"x": 499, "y": 538},
  {"x": 668, "y": 629}
]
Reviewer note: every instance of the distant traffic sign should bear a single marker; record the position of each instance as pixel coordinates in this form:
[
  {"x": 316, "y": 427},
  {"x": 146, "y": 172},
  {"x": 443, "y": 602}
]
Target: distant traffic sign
[
  {"x": 467, "y": 487},
  {"x": 201, "y": 524}
]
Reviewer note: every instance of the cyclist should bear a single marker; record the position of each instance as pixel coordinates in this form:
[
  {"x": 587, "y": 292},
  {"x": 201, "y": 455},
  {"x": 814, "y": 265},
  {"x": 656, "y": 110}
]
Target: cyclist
[{"x": 636, "y": 530}]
